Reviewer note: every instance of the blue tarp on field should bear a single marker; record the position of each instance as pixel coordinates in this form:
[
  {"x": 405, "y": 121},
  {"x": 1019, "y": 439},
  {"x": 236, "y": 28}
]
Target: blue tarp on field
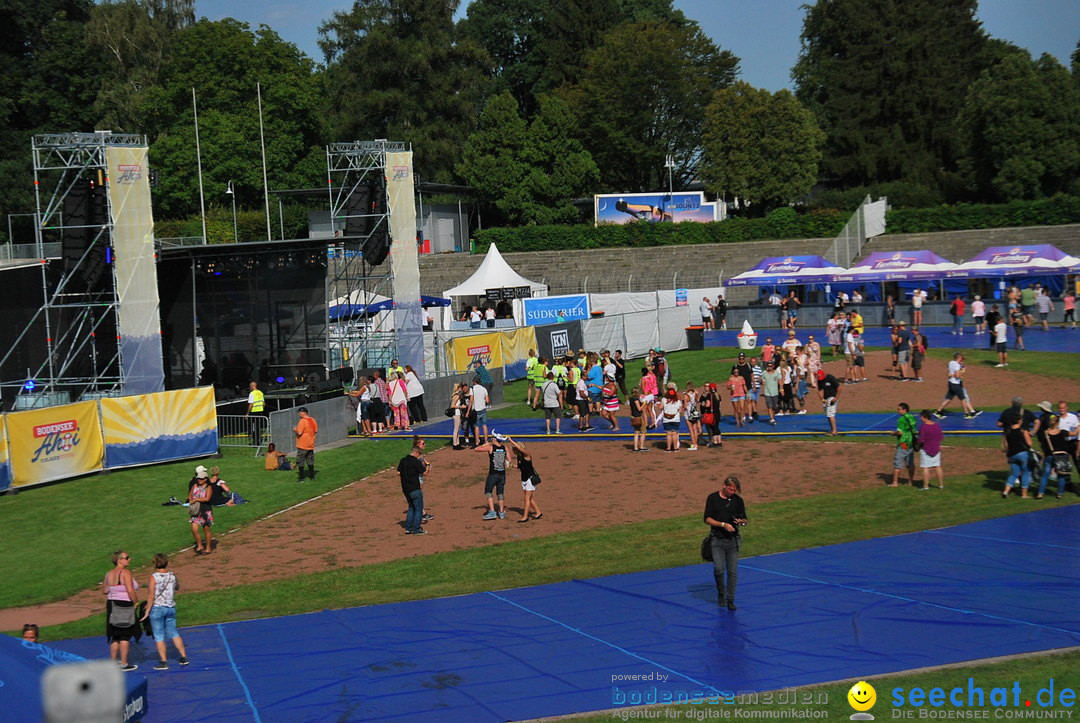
[
  {"x": 844, "y": 611},
  {"x": 22, "y": 665}
]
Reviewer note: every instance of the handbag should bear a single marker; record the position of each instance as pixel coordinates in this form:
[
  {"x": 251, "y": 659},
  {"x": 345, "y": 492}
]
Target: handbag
[
  {"x": 636, "y": 422},
  {"x": 708, "y": 419},
  {"x": 122, "y": 614},
  {"x": 706, "y": 549},
  {"x": 535, "y": 479},
  {"x": 449, "y": 411},
  {"x": 194, "y": 509}
]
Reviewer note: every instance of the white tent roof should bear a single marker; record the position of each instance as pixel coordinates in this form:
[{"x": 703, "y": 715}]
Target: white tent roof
[{"x": 494, "y": 273}]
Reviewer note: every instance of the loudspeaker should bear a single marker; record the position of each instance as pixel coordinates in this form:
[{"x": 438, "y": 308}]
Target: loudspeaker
[
  {"x": 357, "y": 208},
  {"x": 377, "y": 247},
  {"x": 86, "y": 207},
  {"x": 365, "y": 373},
  {"x": 344, "y": 375}
]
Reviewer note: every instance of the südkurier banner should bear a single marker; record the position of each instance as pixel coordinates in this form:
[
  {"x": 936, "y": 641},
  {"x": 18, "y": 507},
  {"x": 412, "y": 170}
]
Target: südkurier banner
[
  {"x": 43, "y": 445},
  {"x": 556, "y": 309}
]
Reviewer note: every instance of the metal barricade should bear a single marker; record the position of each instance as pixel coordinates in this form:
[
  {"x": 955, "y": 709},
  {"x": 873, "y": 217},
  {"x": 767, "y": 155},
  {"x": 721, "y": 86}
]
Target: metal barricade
[{"x": 241, "y": 430}]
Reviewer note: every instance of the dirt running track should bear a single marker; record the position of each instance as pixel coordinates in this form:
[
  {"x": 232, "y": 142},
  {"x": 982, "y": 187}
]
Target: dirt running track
[{"x": 586, "y": 485}]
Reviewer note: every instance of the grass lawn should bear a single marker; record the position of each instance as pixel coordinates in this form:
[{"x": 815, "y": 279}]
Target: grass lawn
[
  {"x": 1044, "y": 363},
  {"x": 58, "y": 538}
]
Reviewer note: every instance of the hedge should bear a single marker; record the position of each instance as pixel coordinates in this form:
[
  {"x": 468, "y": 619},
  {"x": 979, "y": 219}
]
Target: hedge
[{"x": 783, "y": 223}]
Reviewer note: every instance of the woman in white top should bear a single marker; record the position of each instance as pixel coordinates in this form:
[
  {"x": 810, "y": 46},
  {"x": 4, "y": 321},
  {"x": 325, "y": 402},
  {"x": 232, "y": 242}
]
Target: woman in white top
[
  {"x": 417, "y": 410},
  {"x": 693, "y": 415},
  {"x": 363, "y": 406},
  {"x": 672, "y": 415},
  {"x": 162, "y": 611}
]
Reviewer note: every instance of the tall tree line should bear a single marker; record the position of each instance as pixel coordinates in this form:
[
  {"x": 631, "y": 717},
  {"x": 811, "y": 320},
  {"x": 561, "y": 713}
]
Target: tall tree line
[{"x": 538, "y": 102}]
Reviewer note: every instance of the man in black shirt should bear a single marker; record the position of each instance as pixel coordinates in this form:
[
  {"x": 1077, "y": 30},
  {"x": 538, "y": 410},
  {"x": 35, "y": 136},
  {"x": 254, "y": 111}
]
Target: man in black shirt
[
  {"x": 829, "y": 391},
  {"x": 725, "y": 513},
  {"x": 495, "y": 483},
  {"x": 412, "y": 468},
  {"x": 1015, "y": 412},
  {"x": 620, "y": 370}
]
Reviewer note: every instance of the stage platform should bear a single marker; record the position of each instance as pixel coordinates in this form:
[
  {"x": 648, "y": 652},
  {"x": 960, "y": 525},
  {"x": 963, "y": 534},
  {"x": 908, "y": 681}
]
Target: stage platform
[{"x": 840, "y": 612}]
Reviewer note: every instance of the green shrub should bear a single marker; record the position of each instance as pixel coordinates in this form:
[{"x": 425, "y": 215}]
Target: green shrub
[{"x": 784, "y": 223}]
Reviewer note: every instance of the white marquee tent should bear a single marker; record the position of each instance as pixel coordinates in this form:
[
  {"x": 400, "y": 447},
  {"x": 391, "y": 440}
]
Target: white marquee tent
[{"x": 494, "y": 273}]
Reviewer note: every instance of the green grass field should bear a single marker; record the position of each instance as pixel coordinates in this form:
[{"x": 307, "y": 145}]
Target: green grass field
[{"x": 58, "y": 540}]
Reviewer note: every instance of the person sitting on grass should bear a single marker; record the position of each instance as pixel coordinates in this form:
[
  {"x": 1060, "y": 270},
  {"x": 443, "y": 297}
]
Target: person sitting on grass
[{"x": 275, "y": 460}]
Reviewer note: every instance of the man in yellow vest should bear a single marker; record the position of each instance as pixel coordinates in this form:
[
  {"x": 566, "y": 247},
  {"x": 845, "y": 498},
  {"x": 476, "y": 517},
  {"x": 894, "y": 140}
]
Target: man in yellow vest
[
  {"x": 530, "y": 362},
  {"x": 256, "y": 405}
]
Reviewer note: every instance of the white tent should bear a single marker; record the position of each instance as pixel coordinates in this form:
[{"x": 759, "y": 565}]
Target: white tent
[{"x": 494, "y": 273}]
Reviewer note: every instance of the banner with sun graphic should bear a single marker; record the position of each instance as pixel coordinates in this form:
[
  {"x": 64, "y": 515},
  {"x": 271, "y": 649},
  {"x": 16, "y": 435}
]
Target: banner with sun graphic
[
  {"x": 54, "y": 443},
  {"x": 159, "y": 427}
]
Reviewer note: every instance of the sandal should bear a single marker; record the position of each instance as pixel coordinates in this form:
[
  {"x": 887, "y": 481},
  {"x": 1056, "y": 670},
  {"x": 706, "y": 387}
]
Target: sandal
[
  {"x": 537, "y": 517},
  {"x": 524, "y": 519}
]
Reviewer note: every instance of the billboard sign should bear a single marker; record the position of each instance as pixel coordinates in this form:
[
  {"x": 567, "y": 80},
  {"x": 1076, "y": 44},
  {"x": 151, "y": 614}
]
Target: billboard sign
[{"x": 620, "y": 208}]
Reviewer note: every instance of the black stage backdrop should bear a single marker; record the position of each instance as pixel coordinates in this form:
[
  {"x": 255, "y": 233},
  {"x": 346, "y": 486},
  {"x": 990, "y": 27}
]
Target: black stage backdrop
[{"x": 257, "y": 312}]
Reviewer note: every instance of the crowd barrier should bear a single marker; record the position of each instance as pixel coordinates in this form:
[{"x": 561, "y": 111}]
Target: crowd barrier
[
  {"x": 69, "y": 440},
  {"x": 336, "y": 417}
]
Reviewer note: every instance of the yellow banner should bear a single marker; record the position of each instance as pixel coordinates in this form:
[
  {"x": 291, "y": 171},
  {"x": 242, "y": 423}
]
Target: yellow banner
[
  {"x": 465, "y": 353},
  {"x": 145, "y": 417},
  {"x": 54, "y": 443}
]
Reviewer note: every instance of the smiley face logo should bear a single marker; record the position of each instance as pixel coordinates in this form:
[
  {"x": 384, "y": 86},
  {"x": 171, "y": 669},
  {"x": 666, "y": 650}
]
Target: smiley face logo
[{"x": 862, "y": 696}]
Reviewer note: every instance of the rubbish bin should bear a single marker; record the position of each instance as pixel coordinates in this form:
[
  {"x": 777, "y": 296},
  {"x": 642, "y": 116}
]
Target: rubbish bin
[
  {"x": 597, "y": 315},
  {"x": 695, "y": 338}
]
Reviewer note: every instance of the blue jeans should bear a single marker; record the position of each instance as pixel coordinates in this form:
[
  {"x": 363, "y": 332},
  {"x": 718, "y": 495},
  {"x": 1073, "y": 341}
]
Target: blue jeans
[
  {"x": 958, "y": 323},
  {"x": 415, "y": 515},
  {"x": 1019, "y": 470},
  {"x": 1048, "y": 465},
  {"x": 163, "y": 623},
  {"x": 725, "y": 555}
]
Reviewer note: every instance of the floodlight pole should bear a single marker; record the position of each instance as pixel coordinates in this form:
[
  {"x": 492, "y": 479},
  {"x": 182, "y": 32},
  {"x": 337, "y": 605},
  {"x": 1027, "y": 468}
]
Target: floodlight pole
[{"x": 232, "y": 192}]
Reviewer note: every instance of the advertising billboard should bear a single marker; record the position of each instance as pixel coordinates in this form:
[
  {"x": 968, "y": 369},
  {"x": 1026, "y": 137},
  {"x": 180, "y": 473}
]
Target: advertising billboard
[{"x": 620, "y": 208}]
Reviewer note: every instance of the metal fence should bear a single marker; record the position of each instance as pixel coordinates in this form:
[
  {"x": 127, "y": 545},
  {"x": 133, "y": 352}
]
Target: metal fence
[{"x": 241, "y": 430}]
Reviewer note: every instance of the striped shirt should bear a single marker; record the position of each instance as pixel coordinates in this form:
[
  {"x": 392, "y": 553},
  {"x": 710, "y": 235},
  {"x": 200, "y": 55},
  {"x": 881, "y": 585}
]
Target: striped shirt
[{"x": 757, "y": 371}]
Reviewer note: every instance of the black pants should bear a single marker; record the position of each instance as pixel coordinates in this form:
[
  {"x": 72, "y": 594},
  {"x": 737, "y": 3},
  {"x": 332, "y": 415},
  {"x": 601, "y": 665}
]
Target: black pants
[{"x": 417, "y": 410}]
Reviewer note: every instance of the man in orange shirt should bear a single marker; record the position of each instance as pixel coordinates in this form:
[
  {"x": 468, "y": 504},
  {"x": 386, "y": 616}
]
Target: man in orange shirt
[{"x": 305, "y": 431}]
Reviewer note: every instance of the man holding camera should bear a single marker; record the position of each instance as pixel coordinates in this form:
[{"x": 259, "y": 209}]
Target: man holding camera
[{"x": 725, "y": 513}]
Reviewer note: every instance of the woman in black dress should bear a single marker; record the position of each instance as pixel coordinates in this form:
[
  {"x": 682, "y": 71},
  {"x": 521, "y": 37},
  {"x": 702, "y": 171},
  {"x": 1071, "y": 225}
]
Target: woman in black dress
[{"x": 529, "y": 480}]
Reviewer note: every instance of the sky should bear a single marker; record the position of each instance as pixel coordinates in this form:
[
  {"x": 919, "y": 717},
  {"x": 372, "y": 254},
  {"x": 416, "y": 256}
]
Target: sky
[{"x": 764, "y": 34}]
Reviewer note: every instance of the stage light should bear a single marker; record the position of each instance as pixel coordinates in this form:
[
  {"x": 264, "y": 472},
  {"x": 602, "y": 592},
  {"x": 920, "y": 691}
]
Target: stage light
[
  {"x": 30, "y": 385},
  {"x": 280, "y": 380}
]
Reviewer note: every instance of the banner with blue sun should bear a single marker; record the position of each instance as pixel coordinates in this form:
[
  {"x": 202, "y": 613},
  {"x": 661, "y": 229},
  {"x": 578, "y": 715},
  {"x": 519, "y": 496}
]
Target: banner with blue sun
[
  {"x": 54, "y": 443},
  {"x": 158, "y": 427}
]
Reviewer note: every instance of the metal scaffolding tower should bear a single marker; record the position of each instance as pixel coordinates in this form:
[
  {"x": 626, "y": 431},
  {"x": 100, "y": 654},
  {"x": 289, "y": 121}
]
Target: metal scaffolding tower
[
  {"x": 359, "y": 268},
  {"x": 76, "y": 321}
]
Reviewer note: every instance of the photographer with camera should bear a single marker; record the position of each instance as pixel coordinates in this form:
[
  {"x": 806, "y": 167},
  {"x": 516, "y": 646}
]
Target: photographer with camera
[{"x": 725, "y": 513}]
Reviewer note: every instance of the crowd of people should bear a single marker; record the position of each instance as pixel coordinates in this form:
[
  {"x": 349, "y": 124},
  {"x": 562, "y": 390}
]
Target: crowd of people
[
  {"x": 392, "y": 404},
  {"x": 1042, "y": 446}
]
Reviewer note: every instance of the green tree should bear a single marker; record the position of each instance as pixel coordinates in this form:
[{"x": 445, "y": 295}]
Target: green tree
[
  {"x": 49, "y": 77},
  {"x": 134, "y": 38},
  {"x": 1020, "y": 126},
  {"x": 510, "y": 32},
  {"x": 642, "y": 96},
  {"x": 759, "y": 146},
  {"x": 886, "y": 80},
  {"x": 397, "y": 70},
  {"x": 223, "y": 61},
  {"x": 529, "y": 172}
]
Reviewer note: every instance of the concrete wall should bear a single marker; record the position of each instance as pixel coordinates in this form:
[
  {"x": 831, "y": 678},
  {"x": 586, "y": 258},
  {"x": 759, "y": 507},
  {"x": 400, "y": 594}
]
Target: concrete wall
[{"x": 669, "y": 267}]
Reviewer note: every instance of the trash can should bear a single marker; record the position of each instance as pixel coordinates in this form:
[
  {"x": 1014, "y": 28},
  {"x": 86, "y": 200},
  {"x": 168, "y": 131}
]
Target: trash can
[
  {"x": 695, "y": 338},
  {"x": 597, "y": 315}
]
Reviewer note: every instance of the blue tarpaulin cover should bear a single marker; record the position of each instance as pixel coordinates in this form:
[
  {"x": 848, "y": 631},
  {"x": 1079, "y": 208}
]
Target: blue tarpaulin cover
[{"x": 992, "y": 588}]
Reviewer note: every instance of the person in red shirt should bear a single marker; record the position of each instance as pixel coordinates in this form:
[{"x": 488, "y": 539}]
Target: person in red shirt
[
  {"x": 956, "y": 308},
  {"x": 305, "y": 431}
]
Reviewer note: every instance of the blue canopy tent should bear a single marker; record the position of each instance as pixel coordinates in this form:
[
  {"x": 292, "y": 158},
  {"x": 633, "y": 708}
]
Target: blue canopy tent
[
  {"x": 22, "y": 665},
  {"x": 348, "y": 311},
  {"x": 1035, "y": 263}
]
